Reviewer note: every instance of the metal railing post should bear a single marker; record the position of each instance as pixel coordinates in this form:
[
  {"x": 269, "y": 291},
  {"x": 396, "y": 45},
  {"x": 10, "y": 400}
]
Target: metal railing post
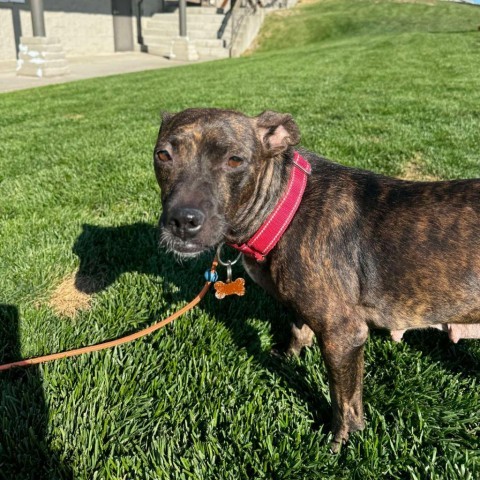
[
  {"x": 182, "y": 10},
  {"x": 38, "y": 22}
]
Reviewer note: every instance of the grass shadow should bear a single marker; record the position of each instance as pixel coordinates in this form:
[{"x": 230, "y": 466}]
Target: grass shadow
[{"x": 24, "y": 450}]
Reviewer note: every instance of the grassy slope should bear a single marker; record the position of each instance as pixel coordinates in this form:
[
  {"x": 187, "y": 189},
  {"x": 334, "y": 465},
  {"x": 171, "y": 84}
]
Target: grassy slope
[{"x": 381, "y": 85}]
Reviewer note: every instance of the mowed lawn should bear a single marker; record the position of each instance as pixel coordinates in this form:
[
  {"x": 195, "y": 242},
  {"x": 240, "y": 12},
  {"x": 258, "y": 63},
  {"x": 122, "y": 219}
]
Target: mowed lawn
[{"x": 391, "y": 86}]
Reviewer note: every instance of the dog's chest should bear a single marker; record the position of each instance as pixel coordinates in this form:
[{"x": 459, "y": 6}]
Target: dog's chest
[
  {"x": 260, "y": 274},
  {"x": 278, "y": 284}
]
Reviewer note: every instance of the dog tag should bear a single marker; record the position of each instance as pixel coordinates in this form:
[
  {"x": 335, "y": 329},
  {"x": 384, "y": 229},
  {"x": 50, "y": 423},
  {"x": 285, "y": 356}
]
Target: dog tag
[{"x": 222, "y": 289}]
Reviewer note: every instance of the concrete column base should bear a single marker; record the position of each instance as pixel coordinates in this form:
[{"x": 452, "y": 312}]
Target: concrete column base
[
  {"x": 183, "y": 49},
  {"x": 41, "y": 57}
]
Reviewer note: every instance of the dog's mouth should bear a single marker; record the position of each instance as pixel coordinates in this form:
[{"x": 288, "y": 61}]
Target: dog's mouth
[
  {"x": 181, "y": 248},
  {"x": 188, "y": 249}
]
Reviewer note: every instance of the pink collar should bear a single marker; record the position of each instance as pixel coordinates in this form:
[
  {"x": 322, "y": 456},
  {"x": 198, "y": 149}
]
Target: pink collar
[{"x": 273, "y": 228}]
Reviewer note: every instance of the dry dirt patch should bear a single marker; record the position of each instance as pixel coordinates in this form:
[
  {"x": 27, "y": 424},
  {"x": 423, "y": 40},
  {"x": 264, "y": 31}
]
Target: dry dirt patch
[
  {"x": 413, "y": 170},
  {"x": 70, "y": 296}
]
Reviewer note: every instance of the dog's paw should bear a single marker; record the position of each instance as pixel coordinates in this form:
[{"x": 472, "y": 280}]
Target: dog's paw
[{"x": 335, "y": 446}]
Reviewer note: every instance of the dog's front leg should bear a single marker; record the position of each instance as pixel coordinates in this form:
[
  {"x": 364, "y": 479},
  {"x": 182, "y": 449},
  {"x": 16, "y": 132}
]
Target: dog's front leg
[{"x": 343, "y": 355}]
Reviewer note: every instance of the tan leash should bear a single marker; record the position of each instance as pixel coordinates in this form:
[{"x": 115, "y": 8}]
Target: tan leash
[{"x": 118, "y": 341}]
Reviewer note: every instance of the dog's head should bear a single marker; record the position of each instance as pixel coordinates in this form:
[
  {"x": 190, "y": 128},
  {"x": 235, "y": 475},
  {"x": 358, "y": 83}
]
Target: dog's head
[{"x": 216, "y": 170}]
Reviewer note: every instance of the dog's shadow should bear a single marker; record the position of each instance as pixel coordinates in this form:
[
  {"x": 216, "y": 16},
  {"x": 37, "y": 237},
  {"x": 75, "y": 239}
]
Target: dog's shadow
[
  {"x": 457, "y": 358},
  {"x": 107, "y": 252}
]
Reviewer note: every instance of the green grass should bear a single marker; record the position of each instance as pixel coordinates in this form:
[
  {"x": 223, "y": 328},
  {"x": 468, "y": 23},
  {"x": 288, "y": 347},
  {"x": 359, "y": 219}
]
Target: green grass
[{"x": 388, "y": 86}]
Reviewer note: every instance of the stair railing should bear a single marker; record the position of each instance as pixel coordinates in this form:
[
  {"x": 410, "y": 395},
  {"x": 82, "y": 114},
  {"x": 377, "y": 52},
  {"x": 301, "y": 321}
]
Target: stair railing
[{"x": 234, "y": 18}]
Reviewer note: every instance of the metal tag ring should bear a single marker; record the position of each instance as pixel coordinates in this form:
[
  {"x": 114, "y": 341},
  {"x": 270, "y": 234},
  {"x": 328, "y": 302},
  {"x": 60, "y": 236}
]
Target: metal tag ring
[{"x": 229, "y": 262}]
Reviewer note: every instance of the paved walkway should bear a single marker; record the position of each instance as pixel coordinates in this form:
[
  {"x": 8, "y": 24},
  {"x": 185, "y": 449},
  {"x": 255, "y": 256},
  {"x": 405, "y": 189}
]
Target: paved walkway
[{"x": 86, "y": 67}]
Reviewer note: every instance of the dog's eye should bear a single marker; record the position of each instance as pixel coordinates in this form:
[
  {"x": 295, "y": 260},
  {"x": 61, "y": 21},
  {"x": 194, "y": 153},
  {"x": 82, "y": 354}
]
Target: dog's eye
[
  {"x": 234, "y": 161},
  {"x": 163, "y": 156}
]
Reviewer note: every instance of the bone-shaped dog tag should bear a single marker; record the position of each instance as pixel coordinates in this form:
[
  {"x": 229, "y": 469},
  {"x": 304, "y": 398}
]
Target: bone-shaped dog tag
[{"x": 237, "y": 287}]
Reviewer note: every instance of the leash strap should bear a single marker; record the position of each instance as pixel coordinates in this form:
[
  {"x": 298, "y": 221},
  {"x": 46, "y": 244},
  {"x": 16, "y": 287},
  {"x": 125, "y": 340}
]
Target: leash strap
[
  {"x": 268, "y": 235},
  {"x": 118, "y": 341}
]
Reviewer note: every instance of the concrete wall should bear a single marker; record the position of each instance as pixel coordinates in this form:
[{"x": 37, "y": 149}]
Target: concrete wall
[
  {"x": 7, "y": 38},
  {"x": 83, "y": 26},
  {"x": 248, "y": 31}
]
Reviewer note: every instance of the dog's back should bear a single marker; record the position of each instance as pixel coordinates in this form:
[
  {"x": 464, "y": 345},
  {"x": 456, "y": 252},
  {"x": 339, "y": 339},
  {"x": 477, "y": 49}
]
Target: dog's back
[{"x": 413, "y": 248}]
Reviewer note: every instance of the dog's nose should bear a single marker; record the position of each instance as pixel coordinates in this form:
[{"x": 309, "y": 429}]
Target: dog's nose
[{"x": 185, "y": 222}]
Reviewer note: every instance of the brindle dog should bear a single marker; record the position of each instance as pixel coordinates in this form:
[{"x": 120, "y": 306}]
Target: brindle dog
[{"x": 363, "y": 250}]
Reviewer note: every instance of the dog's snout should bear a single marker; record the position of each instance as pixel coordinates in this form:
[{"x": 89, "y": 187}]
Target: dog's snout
[{"x": 185, "y": 222}]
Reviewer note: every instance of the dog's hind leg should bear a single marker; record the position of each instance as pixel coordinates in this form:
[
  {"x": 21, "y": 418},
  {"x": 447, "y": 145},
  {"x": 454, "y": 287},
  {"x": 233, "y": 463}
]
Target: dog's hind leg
[
  {"x": 457, "y": 331},
  {"x": 301, "y": 336}
]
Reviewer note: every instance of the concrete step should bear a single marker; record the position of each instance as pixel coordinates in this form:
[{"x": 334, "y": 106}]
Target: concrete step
[
  {"x": 54, "y": 72},
  {"x": 201, "y": 42},
  {"x": 191, "y": 34},
  {"x": 196, "y": 10},
  {"x": 198, "y": 43},
  {"x": 159, "y": 50},
  {"x": 203, "y": 25},
  {"x": 33, "y": 70},
  {"x": 47, "y": 56},
  {"x": 51, "y": 48},
  {"x": 212, "y": 52},
  {"x": 210, "y": 43},
  {"x": 53, "y": 55},
  {"x": 41, "y": 62},
  {"x": 174, "y": 26},
  {"x": 173, "y": 30},
  {"x": 163, "y": 20},
  {"x": 208, "y": 22},
  {"x": 203, "y": 52},
  {"x": 40, "y": 41},
  {"x": 206, "y": 17},
  {"x": 41, "y": 48}
]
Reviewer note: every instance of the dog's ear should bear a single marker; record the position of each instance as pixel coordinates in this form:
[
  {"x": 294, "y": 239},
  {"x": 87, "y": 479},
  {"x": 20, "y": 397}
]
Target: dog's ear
[
  {"x": 166, "y": 117},
  {"x": 277, "y": 131}
]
